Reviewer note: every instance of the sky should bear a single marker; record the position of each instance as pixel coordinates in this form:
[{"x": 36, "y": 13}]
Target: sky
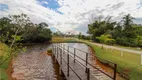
[{"x": 72, "y": 15}]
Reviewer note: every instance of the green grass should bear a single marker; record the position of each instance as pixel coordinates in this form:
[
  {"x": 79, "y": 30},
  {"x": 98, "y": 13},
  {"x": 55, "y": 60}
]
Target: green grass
[
  {"x": 56, "y": 39},
  {"x": 4, "y": 50},
  {"x": 3, "y": 75},
  {"x": 128, "y": 65}
]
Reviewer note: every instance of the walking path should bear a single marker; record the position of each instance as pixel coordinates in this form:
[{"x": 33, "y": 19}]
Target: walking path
[
  {"x": 114, "y": 47},
  {"x": 118, "y": 48}
]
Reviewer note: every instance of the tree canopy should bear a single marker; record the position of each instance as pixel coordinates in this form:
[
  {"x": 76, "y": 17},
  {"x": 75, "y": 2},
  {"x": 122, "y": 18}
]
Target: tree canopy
[{"x": 124, "y": 32}]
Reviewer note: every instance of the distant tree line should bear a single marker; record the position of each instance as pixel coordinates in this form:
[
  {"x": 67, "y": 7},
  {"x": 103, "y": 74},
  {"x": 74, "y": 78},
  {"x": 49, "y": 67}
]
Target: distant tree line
[
  {"x": 124, "y": 32},
  {"x": 19, "y": 28}
]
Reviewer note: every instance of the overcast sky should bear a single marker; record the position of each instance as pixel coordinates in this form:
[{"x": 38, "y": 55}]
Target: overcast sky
[{"x": 71, "y": 15}]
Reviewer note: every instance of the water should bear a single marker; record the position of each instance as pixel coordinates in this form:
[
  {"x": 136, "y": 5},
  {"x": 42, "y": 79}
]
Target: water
[
  {"x": 80, "y": 50},
  {"x": 34, "y": 64}
]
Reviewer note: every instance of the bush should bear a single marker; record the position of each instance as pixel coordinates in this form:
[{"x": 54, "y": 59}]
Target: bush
[
  {"x": 110, "y": 41},
  {"x": 126, "y": 41},
  {"x": 49, "y": 50}
]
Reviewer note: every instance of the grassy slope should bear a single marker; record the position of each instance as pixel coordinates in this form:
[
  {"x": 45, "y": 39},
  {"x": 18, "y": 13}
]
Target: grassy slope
[
  {"x": 3, "y": 53},
  {"x": 128, "y": 65}
]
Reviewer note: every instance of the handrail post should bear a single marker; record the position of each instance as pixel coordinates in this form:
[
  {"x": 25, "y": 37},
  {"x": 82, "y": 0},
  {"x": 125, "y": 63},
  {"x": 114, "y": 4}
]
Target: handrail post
[
  {"x": 88, "y": 73},
  {"x": 52, "y": 50},
  {"x": 74, "y": 54},
  {"x": 61, "y": 55},
  {"x": 68, "y": 64},
  {"x": 115, "y": 66},
  {"x": 86, "y": 61},
  {"x": 57, "y": 50},
  {"x": 68, "y": 49}
]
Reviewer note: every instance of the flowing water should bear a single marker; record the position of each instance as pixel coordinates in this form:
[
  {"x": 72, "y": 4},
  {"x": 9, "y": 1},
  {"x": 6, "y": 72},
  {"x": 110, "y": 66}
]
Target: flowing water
[{"x": 34, "y": 64}]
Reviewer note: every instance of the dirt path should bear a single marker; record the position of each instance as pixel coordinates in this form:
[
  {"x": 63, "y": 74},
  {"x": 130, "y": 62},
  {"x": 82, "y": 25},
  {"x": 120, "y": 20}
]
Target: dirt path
[{"x": 117, "y": 48}]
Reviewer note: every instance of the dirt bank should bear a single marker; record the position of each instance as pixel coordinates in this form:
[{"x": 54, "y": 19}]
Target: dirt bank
[{"x": 9, "y": 70}]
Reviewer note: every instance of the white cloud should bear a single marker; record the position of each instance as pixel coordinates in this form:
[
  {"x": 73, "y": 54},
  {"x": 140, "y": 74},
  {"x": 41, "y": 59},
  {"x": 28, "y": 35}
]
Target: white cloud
[{"x": 76, "y": 13}]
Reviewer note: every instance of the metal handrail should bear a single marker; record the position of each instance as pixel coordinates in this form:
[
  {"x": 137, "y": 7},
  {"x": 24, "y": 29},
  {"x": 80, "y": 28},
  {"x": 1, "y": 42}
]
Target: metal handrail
[
  {"x": 89, "y": 53},
  {"x": 72, "y": 70},
  {"x": 91, "y": 64},
  {"x": 79, "y": 62},
  {"x": 70, "y": 66},
  {"x": 76, "y": 48}
]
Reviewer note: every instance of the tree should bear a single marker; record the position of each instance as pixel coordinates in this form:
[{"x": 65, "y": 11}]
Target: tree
[
  {"x": 80, "y": 36},
  {"x": 99, "y": 27},
  {"x": 18, "y": 21},
  {"x": 106, "y": 39},
  {"x": 127, "y": 22}
]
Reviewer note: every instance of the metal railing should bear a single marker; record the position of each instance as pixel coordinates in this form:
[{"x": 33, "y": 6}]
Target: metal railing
[{"x": 60, "y": 49}]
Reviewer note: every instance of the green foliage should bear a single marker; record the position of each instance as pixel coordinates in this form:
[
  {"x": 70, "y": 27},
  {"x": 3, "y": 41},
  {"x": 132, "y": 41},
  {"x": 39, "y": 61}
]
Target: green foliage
[
  {"x": 80, "y": 36},
  {"x": 139, "y": 40},
  {"x": 19, "y": 28},
  {"x": 110, "y": 41},
  {"x": 126, "y": 41},
  {"x": 37, "y": 34},
  {"x": 4, "y": 53},
  {"x": 107, "y": 39},
  {"x": 49, "y": 50},
  {"x": 123, "y": 33},
  {"x": 98, "y": 28}
]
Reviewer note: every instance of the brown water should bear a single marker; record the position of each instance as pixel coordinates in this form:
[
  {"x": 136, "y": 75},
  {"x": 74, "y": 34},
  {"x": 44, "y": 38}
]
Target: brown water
[{"x": 34, "y": 64}]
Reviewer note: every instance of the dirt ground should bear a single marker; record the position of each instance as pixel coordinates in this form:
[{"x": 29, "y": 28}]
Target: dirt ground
[{"x": 9, "y": 70}]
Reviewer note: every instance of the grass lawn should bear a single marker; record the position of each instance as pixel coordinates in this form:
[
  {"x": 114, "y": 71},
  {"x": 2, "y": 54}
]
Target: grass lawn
[
  {"x": 56, "y": 39},
  {"x": 4, "y": 50}
]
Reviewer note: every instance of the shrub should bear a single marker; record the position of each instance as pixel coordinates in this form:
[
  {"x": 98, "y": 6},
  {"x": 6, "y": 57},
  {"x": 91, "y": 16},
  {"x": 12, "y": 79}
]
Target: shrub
[
  {"x": 49, "y": 50},
  {"x": 126, "y": 41},
  {"x": 110, "y": 41}
]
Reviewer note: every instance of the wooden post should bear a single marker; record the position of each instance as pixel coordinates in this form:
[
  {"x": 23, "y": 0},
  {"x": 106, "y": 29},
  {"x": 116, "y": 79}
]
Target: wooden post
[
  {"x": 141, "y": 58},
  {"x": 61, "y": 56},
  {"x": 74, "y": 54}
]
